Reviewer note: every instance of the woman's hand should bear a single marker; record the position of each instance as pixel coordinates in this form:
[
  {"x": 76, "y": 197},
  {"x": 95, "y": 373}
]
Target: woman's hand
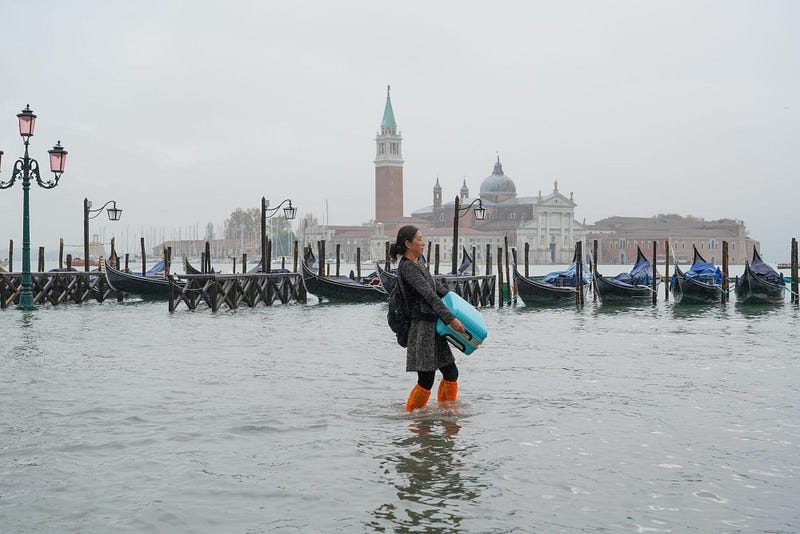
[{"x": 458, "y": 326}]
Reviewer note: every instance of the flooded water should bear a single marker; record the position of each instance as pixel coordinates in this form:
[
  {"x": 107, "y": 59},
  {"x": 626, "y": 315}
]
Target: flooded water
[{"x": 120, "y": 417}]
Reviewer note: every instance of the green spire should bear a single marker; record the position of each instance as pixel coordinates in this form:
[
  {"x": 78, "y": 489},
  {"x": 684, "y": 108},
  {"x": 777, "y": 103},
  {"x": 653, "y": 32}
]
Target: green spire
[{"x": 388, "y": 114}]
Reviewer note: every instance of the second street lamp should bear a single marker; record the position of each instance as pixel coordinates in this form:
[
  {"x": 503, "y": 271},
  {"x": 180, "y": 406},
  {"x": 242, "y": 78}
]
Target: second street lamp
[
  {"x": 266, "y": 213},
  {"x": 114, "y": 214},
  {"x": 480, "y": 214},
  {"x": 26, "y": 168}
]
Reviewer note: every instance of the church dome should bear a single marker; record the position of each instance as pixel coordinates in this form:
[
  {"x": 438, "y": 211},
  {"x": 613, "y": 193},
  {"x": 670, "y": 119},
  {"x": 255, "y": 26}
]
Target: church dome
[{"x": 498, "y": 183}]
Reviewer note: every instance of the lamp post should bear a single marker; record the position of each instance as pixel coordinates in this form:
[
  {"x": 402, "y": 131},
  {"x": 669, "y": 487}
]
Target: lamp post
[
  {"x": 27, "y": 168},
  {"x": 480, "y": 214},
  {"x": 266, "y": 213},
  {"x": 113, "y": 215}
]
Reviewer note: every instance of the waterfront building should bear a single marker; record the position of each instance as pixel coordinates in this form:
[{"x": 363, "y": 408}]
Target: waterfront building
[
  {"x": 618, "y": 238},
  {"x": 547, "y": 223}
]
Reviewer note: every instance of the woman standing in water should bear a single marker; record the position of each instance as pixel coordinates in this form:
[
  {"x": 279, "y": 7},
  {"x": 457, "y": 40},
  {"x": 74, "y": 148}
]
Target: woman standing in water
[{"x": 426, "y": 350}]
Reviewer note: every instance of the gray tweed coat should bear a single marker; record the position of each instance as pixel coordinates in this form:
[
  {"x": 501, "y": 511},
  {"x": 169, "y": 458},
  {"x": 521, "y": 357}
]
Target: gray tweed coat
[{"x": 426, "y": 351}]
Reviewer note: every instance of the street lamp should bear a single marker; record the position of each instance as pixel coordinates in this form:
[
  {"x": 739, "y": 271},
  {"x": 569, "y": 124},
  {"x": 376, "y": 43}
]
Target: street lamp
[
  {"x": 289, "y": 212},
  {"x": 480, "y": 214},
  {"x": 113, "y": 215},
  {"x": 27, "y": 168}
]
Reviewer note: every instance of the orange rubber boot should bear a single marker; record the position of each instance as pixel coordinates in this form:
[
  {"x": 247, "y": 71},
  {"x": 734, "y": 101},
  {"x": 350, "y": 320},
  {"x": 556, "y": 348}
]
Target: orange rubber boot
[
  {"x": 447, "y": 391},
  {"x": 418, "y": 398}
]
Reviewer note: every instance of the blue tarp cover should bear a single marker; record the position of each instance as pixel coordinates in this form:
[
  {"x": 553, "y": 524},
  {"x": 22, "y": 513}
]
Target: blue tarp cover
[
  {"x": 567, "y": 277},
  {"x": 639, "y": 275},
  {"x": 766, "y": 272},
  {"x": 706, "y": 273},
  {"x": 155, "y": 270}
]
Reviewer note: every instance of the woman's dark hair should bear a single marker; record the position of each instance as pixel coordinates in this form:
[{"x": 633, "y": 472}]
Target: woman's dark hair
[{"x": 406, "y": 233}]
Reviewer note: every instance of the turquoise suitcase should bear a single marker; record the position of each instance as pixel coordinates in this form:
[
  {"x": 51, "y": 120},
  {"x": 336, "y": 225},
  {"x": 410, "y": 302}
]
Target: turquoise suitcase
[{"x": 473, "y": 324}]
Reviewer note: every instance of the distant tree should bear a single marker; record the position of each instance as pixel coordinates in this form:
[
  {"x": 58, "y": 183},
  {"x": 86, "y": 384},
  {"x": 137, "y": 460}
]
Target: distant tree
[
  {"x": 243, "y": 223},
  {"x": 676, "y": 217}
]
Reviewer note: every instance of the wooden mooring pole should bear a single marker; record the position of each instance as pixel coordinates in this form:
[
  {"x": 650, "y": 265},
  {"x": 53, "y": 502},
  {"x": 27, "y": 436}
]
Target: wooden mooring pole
[
  {"x": 358, "y": 263},
  {"x": 488, "y": 270},
  {"x": 666, "y": 270},
  {"x": 513, "y": 280},
  {"x": 208, "y": 257},
  {"x": 428, "y": 257},
  {"x": 500, "y": 301},
  {"x": 321, "y": 256},
  {"x": 511, "y": 291},
  {"x": 578, "y": 273},
  {"x": 386, "y": 257},
  {"x": 144, "y": 261},
  {"x": 11, "y": 255},
  {"x": 296, "y": 252},
  {"x": 527, "y": 257},
  {"x": 61, "y": 253},
  {"x": 41, "y": 260},
  {"x": 795, "y": 297},
  {"x": 508, "y": 273},
  {"x": 725, "y": 284},
  {"x": 474, "y": 260},
  {"x": 436, "y": 260},
  {"x": 655, "y": 270},
  {"x": 69, "y": 262},
  {"x": 338, "y": 252},
  {"x": 594, "y": 271}
]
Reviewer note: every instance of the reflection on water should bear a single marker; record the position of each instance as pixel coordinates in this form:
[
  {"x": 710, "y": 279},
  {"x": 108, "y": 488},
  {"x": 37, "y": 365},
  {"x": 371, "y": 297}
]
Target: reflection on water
[
  {"x": 432, "y": 479},
  {"x": 764, "y": 309},
  {"x": 616, "y": 308},
  {"x": 27, "y": 346},
  {"x": 123, "y": 417}
]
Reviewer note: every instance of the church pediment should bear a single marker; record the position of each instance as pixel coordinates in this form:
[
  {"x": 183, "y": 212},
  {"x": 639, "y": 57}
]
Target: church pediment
[{"x": 556, "y": 200}]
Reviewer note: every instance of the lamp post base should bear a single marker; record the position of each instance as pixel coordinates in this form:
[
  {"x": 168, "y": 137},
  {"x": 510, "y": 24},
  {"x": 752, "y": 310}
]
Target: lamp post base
[{"x": 26, "y": 301}]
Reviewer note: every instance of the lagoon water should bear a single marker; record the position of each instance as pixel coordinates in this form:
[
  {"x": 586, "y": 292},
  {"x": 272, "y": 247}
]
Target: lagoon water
[{"x": 120, "y": 417}]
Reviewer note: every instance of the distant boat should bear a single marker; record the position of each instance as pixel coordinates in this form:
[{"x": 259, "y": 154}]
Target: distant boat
[
  {"x": 150, "y": 286},
  {"x": 191, "y": 269},
  {"x": 559, "y": 287},
  {"x": 342, "y": 288},
  {"x": 635, "y": 285},
  {"x": 78, "y": 262},
  {"x": 701, "y": 284},
  {"x": 759, "y": 283},
  {"x": 389, "y": 278},
  {"x": 784, "y": 266}
]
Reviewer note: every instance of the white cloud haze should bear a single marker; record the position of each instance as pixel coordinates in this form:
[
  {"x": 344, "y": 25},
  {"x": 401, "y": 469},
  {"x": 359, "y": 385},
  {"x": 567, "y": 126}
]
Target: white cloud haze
[{"x": 184, "y": 111}]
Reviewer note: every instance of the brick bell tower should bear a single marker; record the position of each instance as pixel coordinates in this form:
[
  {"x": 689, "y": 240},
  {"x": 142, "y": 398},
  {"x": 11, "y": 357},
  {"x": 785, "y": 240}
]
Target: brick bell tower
[{"x": 388, "y": 168}]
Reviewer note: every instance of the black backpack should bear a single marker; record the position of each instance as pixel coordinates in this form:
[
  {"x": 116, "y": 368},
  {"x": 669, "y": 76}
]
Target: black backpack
[{"x": 399, "y": 316}]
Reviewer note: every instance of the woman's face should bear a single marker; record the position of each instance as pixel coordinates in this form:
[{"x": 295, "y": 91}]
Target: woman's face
[{"x": 417, "y": 245}]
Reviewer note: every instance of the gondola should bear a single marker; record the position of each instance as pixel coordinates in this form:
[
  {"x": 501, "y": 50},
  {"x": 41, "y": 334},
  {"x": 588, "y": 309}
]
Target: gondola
[
  {"x": 342, "y": 288},
  {"x": 191, "y": 269},
  {"x": 389, "y": 278},
  {"x": 760, "y": 283},
  {"x": 558, "y": 287},
  {"x": 145, "y": 286},
  {"x": 627, "y": 287},
  {"x": 701, "y": 284}
]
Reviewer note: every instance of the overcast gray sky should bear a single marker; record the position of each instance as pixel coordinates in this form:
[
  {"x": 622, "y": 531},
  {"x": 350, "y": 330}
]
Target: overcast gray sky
[{"x": 184, "y": 111}]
